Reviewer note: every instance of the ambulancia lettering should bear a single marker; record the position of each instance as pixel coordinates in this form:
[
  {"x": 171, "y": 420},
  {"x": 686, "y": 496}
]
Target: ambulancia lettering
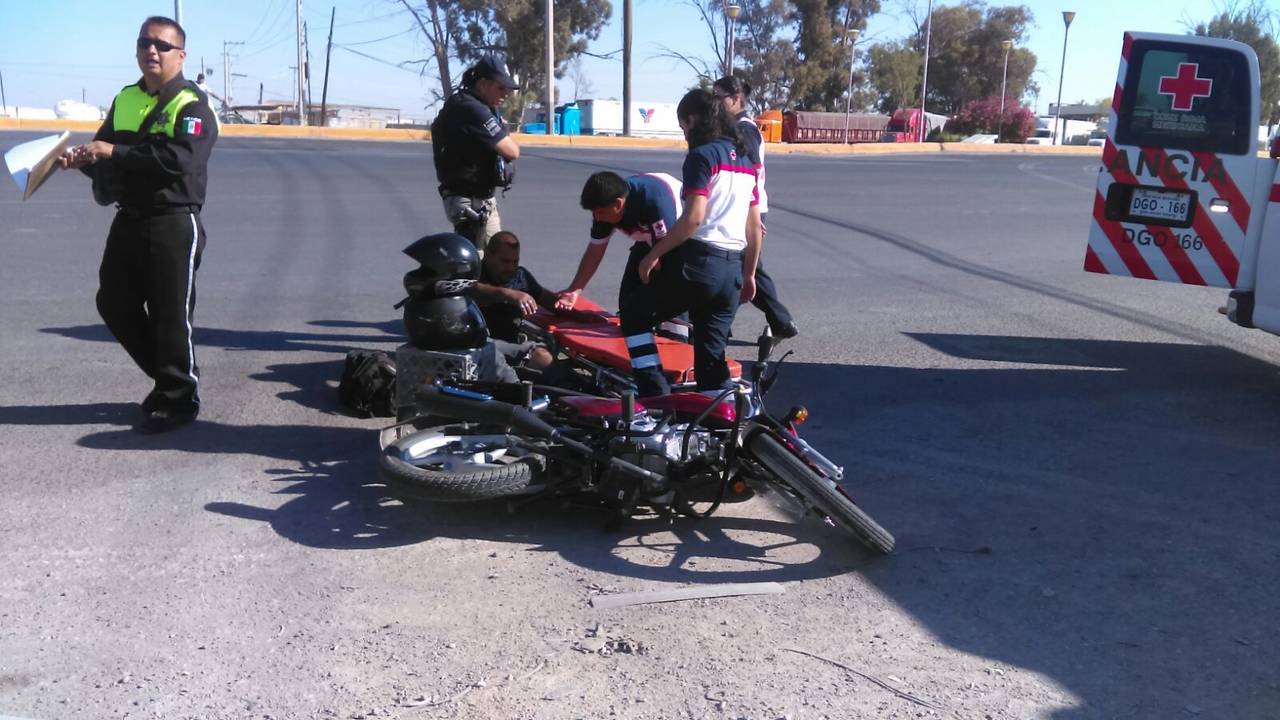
[{"x": 1168, "y": 167}]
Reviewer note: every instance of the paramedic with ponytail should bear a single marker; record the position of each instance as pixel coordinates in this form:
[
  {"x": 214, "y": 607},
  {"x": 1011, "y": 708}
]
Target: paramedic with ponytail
[
  {"x": 150, "y": 159},
  {"x": 733, "y": 93},
  {"x": 706, "y": 263}
]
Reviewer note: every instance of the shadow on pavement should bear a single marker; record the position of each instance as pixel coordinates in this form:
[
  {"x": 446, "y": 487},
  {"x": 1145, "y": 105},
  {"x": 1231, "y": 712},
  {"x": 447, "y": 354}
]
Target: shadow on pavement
[
  {"x": 78, "y": 414},
  {"x": 1129, "y": 495},
  {"x": 341, "y": 502}
]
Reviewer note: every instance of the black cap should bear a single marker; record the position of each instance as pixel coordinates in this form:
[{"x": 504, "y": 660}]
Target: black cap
[{"x": 491, "y": 68}]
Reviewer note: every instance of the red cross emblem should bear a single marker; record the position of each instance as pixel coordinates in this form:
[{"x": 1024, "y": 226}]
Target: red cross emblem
[{"x": 1186, "y": 86}]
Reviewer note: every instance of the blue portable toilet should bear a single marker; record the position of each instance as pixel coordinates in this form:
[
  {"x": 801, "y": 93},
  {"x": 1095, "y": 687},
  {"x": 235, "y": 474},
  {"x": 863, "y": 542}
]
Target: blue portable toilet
[{"x": 569, "y": 119}]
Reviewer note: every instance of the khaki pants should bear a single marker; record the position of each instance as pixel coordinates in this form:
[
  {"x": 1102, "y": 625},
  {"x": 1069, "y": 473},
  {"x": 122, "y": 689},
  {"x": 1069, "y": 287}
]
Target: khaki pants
[{"x": 456, "y": 209}]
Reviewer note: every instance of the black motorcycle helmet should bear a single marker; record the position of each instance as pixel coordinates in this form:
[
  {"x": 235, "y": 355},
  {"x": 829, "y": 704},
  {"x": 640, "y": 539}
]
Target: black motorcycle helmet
[
  {"x": 444, "y": 323},
  {"x": 438, "y": 314},
  {"x": 448, "y": 265}
]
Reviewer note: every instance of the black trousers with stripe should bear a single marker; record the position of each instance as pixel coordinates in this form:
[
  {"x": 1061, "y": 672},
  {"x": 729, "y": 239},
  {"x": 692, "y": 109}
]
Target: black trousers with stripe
[
  {"x": 147, "y": 298},
  {"x": 775, "y": 313}
]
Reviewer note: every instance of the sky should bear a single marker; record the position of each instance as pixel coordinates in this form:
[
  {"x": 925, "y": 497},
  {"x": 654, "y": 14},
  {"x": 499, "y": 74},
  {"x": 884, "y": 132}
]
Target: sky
[{"x": 52, "y": 50}]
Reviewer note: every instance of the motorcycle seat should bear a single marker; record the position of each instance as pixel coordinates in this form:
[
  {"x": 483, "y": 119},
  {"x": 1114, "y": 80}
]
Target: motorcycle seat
[{"x": 590, "y": 332}]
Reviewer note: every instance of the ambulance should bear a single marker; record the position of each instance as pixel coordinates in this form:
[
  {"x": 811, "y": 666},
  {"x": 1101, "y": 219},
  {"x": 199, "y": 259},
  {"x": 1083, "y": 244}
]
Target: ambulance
[{"x": 1183, "y": 195}]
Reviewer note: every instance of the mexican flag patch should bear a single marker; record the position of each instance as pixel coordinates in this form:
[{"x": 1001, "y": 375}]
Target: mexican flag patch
[{"x": 193, "y": 125}]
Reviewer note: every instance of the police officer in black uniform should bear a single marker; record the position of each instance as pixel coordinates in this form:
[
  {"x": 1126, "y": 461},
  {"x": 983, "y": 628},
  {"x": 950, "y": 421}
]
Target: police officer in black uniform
[
  {"x": 150, "y": 159},
  {"x": 473, "y": 151}
]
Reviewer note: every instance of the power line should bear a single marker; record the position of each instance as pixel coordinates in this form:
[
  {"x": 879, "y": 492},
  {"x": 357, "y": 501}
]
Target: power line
[
  {"x": 375, "y": 59},
  {"x": 387, "y": 37}
]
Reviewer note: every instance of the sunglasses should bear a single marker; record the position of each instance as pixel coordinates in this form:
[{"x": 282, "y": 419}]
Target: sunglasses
[{"x": 161, "y": 46}]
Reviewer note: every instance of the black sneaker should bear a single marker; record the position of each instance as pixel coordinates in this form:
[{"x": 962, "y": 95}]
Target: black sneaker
[
  {"x": 161, "y": 421},
  {"x": 785, "y": 332}
]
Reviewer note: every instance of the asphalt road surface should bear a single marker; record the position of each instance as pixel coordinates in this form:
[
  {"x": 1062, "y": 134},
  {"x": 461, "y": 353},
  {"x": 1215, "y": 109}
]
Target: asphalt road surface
[{"x": 1080, "y": 472}]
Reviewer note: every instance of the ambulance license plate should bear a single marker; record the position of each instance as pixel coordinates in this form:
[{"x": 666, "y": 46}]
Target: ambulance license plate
[{"x": 1171, "y": 205}]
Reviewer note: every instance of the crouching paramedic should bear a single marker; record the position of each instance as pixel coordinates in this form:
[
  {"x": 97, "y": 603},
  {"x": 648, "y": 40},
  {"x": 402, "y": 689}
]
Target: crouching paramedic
[
  {"x": 150, "y": 159},
  {"x": 645, "y": 208},
  {"x": 708, "y": 259}
]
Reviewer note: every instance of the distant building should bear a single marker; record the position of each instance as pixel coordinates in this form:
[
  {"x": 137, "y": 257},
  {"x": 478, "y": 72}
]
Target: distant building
[
  {"x": 285, "y": 112},
  {"x": 1091, "y": 113}
]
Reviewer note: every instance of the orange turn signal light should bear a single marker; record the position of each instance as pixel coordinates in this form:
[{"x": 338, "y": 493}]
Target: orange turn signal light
[{"x": 797, "y": 415}]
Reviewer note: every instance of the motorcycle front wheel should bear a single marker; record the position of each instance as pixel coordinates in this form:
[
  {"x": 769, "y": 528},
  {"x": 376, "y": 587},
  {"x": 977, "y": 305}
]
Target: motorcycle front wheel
[
  {"x": 459, "y": 462},
  {"x": 823, "y": 494}
]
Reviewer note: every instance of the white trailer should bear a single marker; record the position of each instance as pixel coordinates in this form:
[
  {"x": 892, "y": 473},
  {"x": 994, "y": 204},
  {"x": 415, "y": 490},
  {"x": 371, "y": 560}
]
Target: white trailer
[{"x": 648, "y": 119}]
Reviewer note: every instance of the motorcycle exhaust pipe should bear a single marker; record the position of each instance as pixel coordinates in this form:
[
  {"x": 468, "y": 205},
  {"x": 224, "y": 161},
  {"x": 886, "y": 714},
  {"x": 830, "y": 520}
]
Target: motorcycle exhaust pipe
[{"x": 493, "y": 412}]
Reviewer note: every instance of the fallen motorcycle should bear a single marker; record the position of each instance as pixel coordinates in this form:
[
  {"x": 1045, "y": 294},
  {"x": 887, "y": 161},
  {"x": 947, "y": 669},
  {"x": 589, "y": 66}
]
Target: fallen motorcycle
[{"x": 683, "y": 453}]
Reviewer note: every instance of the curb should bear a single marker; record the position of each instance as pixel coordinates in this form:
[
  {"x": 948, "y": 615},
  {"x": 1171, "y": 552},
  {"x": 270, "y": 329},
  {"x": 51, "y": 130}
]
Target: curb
[{"x": 584, "y": 141}]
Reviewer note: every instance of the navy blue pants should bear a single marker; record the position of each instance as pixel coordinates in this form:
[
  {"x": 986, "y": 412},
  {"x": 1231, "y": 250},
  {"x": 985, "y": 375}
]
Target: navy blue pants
[
  {"x": 631, "y": 278},
  {"x": 147, "y": 297},
  {"x": 696, "y": 278}
]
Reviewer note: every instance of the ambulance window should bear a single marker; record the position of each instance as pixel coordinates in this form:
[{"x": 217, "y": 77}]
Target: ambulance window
[{"x": 1187, "y": 97}]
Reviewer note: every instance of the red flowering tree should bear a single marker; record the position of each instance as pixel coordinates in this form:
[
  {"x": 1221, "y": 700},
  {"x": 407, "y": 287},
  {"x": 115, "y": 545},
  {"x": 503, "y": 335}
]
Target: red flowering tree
[{"x": 983, "y": 116}]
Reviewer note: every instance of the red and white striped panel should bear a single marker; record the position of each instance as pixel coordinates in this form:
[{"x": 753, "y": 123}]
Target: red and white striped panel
[{"x": 1208, "y": 252}]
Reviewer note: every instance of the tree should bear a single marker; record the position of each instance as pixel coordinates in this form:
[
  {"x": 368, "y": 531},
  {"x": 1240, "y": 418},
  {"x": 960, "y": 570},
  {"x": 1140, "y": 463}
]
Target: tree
[
  {"x": 1015, "y": 125},
  {"x": 440, "y": 23},
  {"x": 895, "y": 72},
  {"x": 966, "y": 60},
  {"x": 1249, "y": 23},
  {"x": 467, "y": 30},
  {"x": 824, "y": 47},
  {"x": 795, "y": 53}
]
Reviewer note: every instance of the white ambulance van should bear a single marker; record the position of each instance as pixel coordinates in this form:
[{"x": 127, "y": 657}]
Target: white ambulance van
[{"x": 1183, "y": 195}]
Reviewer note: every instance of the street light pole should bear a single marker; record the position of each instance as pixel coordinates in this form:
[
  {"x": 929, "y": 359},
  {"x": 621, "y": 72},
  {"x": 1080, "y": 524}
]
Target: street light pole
[
  {"x": 1067, "y": 17},
  {"x": 731, "y": 12},
  {"x": 848, "y": 99},
  {"x": 924, "y": 81},
  {"x": 551, "y": 70},
  {"x": 1004, "y": 77}
]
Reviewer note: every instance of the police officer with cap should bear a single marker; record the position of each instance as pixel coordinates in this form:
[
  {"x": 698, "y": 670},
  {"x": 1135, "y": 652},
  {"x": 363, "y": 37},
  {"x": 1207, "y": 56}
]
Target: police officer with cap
[
  {"x": 150, "y": 158},
  {"x": 473, "y": 151}
]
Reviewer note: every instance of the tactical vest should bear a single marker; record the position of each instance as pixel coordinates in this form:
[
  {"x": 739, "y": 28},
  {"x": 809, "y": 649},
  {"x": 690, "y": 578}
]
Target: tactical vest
[{"x": 133, "y": 104}]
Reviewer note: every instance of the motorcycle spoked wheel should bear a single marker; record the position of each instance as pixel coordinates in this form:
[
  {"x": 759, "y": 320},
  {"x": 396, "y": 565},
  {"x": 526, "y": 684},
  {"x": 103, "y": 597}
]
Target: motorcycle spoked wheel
[
  {"x": 826, "y": 497},
  {"x": 458, "y": 462}
]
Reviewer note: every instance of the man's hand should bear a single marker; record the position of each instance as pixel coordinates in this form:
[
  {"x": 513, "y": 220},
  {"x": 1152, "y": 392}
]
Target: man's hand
[
  {"x": 650, "y": 263},
  {"x": 748, "y": 288},
  {"x": 524, "y": 301},
  {"x": 566, "y": 299},
  {"x": 97, "y": 150},
  {"x": 74, "y": 158}
]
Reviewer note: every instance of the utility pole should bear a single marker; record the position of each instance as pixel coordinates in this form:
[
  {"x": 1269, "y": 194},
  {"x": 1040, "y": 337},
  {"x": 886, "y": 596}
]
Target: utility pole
[
  {"x": 924, "y": 82},
  {"x": 4, "y": 104},
  {"x": 324, "y": 90},
  {"x": 848, "y": 98},
  {"x": 177, "y": 11},
  {"x": 626, "y": 68},
  {"x": 551, "y": 71},
  {"x": 306, "y": 67},
  {"x": 1067, "y": 17},
  {"x": 226, "y": 76},
  {"x": 302, "y": 81}
]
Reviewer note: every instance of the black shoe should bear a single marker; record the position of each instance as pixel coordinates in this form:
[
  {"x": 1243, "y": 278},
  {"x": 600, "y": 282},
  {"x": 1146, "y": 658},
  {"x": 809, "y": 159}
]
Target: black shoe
[
  {"x": 160, "y": 421},
  {"x": 785, "y": 332},
  {"x": 149, "y": 404}
]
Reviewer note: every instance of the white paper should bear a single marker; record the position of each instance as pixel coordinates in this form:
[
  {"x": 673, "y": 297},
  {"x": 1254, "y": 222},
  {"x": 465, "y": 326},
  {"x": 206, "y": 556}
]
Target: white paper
[{"x": 31, "y": 163}]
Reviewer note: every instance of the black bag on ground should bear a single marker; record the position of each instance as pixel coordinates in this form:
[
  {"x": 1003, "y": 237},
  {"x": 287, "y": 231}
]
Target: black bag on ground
[{"x": 368, "y": 385}]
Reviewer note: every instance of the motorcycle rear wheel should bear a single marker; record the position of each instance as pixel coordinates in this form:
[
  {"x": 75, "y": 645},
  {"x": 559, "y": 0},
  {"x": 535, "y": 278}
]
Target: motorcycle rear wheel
[
  {"x": 457, "y": 462},
  {"x": 826, "y": 496}
]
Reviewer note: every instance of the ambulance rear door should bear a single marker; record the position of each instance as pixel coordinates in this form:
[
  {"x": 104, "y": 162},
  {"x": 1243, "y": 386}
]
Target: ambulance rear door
[{"x": 1173, "y": 201}]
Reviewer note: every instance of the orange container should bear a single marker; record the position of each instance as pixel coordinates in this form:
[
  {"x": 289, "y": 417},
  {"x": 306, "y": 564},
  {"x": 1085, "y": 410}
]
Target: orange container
[{"x": 770, "y": 124}]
